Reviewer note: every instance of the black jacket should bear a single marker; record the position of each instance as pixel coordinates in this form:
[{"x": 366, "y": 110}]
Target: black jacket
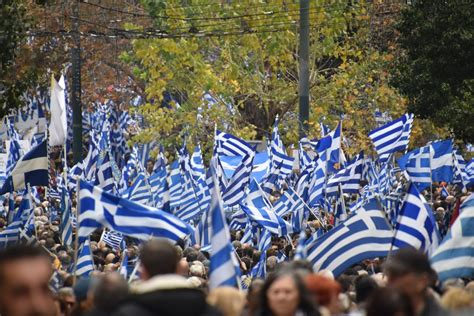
[{"x": 163, "y": 296}]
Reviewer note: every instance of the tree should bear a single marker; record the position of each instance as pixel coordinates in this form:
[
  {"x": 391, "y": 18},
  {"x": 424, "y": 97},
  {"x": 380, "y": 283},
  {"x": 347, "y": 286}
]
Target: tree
[
  {"x": 13, "y": 27},
  {"x": 436, "y": 68},
  {"x": 245, "y": 54}
]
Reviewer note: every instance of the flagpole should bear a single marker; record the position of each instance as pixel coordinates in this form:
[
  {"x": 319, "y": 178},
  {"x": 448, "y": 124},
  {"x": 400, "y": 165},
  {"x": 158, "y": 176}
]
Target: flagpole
[
  {"x": 311, "y": 210},
  {"x": 76, "y": 240}
]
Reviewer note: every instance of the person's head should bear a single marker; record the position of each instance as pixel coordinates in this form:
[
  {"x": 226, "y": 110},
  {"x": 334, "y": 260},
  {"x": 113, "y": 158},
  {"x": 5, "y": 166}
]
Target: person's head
[
  {"x": 24, "y": 278},
  {"x": 158, "y": 257},
  {"x": 197, "y": 269},
  {"x": 324, "y": 290},
  {"x": 110, "y": 290},
  {"x": 389, "y": 302},
  {"x": 66, "y": 299},
  {"x": 284, "y": 293},
  {"x": 364, "y": 287},
  {"x": 271, "y": 264},
  {"x": 409, "y": 271},
  {"x": 254, "y": 294},
  {"x": 457, "y": 299},
  {"x": 228, "y": 300}
]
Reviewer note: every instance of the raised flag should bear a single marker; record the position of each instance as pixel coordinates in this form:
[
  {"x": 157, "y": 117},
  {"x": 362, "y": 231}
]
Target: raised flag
[
  {"x": 348, "y": 178},
  {"x": 417, "y": 165},
  {"x": 416, "y": 225},
  {"x": 441, "y": 160},
  {"x": 84, "y": 264},
  {"x": 364, "y": 235},
  {"x": 31, "y": 169},
  {"x": 229, "y": 145},
  {"x": 58, "y": 122},
  {"x": 235, "y": 190}
]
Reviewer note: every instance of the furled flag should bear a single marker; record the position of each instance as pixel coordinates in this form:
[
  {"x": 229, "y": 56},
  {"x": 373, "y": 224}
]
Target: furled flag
[
  {"x": 223, "y": 270},
  {"x": 455, "y": 256},
  {"x": 31, "y": 169},
  {"x": 98, "y": 208},
  {"x": 392, "y": 137},
  {"x": 416, "y": 225},
  {"x": 364, "y": 235},
  {"x": 58, "y": 121}
]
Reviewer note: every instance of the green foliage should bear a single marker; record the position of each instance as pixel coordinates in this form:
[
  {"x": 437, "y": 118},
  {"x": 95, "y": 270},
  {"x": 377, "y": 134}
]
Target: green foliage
[
  {"x": 249, "y": 63},
  {"x": 13, "y": 27},
  {"x": 436, "y": 71}
]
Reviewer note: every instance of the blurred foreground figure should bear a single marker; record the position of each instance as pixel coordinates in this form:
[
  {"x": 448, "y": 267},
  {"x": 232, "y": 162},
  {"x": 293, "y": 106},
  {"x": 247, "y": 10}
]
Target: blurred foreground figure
[
  {"x": 410, "y": 272},
  {"x": 25, "y": 272},
  {"x": 162, "y": 291}
]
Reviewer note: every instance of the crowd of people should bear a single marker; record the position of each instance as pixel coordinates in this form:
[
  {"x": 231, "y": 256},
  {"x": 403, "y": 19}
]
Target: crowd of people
[{"x": 174, "y": 279}]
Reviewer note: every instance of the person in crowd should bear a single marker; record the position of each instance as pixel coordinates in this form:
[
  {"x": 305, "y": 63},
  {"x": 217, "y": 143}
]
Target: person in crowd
[
  {"x": 66, "y": 300},
  {"x": 162, "y": 291},
  {"x": 325, "y": 292},
  {"x": 365, "y": 286},
  {"x": 84, "y": 298},
  {"x": 227, "y": 300},
  {"x": 409, "y": 271},
  {"x": 253, "y": 297},
  {"x": 284, "y": 294},
  {"x": 25, "y": 272},
  {"x": 457, "y": 300},
  {"x": 110, "y": 291},
  {"x": 389, "y": 302}
]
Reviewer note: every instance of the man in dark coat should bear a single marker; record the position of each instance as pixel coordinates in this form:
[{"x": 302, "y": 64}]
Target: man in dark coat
[{"x": 162, "y": 291}]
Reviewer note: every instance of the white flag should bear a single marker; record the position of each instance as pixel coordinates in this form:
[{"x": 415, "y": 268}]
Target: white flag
[{"x": 58, "y": 123}]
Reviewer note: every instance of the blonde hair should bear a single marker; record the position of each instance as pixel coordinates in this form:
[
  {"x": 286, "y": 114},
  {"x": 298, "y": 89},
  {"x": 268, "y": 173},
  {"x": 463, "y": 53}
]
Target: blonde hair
[
  {"x": 457, "y": 299},
  {"x": 228, "y": 300}
]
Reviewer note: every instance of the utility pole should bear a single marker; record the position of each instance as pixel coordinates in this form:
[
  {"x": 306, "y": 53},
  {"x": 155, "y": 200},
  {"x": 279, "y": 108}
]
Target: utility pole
[
  {"x": 76, "y": 85},
  {"x": 303, "y": 84}
]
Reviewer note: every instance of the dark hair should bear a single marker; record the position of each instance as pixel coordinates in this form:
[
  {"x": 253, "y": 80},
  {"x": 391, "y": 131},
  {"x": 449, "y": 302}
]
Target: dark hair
[
  {"x": 364, "y": 287},
  {"x": 109, "y": 292},
  {"x": 389, "y": 302},
  {"x": 408, "y": 260},
  {"x": 159, "y": 257},
  {"x": 306, "y": 304},
  {"x": 20, "y": 252}
]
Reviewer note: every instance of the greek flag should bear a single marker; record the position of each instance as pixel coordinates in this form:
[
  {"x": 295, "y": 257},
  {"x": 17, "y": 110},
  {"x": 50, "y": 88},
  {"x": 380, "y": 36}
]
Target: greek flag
[
  {"x": 98, "y": 208},
  {"x": 203, "y": 232},
  {"x": 238, "y": 220},
  {"x": 112, "y": 239},
  {"x": 288, "y": 203},
  {"x": 139, "y": 191},
  {"x": 364, "y": 235},
  {"x": 198, "y": 170},
  {"x": 259, "y": 270},
  {"x": 66, "y": 219},
  {"x": 303, "y": 241},
  {"x": 324, "y": 129},
  {"x": 470, "y": 172},
  {"x": 278, "y": 153},
  {"x": 261, "y": 163},
  {"x": 416, "y": 226},
  {"x": 229, "y": 145},
  {"x": 348, "y": 178},
  {"x": 11, "y": 233},
  {"x": 417, "y": 165},
  {"x": 235, "y": 190},
  {"x": 460, "y": 174},
  {"x": 176, "y": 184},
  {"x": 223, "y": 270},
  {"x": 318, "y": 183},
  {"x": 124, "y": 265},
  {"x": 13, "y": 155},
  {"x": 104, "y": 177},
  {"x": 31, "y": 169},
  {"x": 392, "y": 137},
  {"x": 455, "y": 256},
  {"x": 160, "y": 190},
  {"x": 84, "y": 264},
  {"x": 259, "y": 210},
  {"x": 442, "y": 161},
  {"x": 340, "y": 214}
]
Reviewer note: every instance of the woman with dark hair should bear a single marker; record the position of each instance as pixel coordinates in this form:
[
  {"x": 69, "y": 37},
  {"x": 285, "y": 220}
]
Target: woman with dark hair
[
  {"x": 389, "y": 302},
  {"x": 284, "y": 294}
]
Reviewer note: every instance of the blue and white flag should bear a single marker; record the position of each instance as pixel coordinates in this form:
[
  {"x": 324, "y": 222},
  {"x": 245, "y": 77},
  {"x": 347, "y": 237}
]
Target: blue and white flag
[
  {"x": 176, "y": 184},
  {"x": 66, "y": 218},
  {"x": 416, "y": 225},
  {"x": 289, "y": 202},
  {"x": 112, "y": 239},
  {"x": 417, "y": 165},
  {"x": 392, "y": 137},
  {"x": 261, "y": 164},
  {"x": 317, "y": 185},
  {"x": 364, "y": 235},
  {"x": 278, "y": 155},
  {"x": 104, "y": 177},
  {"x": 31, "y": 169},
  {"x": 460, "y": 175},
  {"x": 98, "y": 208},
  {"x": 348, "y": 178},
  {"x": 455, "y": 256},
  {"x": 442, "y": 161},
  {"x": 14, "y": 154},
  {"x": 139, "y": 191},
  {"x": 11, "y": 233},
  {"x": 84, "y": 264},
  {"x": 124, "y": 265},
  {"x": 235, "y": 190},
  {"x": 198, "y": 170},
  {"x": 259, "y": 210},
  {"x": 223, "y": 270},
  {"x": 229, "y": 145}
]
